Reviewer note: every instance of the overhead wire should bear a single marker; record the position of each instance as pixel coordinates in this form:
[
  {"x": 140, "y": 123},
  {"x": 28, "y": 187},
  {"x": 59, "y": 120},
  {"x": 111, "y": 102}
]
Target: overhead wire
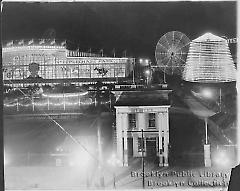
[{"x": 67, "y": 133}]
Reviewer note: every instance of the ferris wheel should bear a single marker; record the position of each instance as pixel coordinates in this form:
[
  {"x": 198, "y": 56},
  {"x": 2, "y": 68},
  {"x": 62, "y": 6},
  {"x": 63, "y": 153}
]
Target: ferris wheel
[{"x": 171, "y": 52}]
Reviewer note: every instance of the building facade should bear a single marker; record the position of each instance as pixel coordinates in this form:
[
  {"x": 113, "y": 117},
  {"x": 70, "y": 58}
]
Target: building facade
[
  {"x": 142, "y": 126},
  {"x": 50, "y": 62}
]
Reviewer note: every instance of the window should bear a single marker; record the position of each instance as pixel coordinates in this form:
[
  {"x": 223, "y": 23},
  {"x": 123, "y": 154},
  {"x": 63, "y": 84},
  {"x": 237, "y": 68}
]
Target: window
[
  {"x": 151, "y": 121},
  {"x": 132, "y": 121}
]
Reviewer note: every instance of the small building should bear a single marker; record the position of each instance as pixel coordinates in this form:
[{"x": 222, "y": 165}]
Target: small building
[
  {"x": 142, "y": 113},
  {"x": 76, "y": 151}
]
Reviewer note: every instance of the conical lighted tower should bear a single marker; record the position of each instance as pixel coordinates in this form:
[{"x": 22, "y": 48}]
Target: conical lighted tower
[{"x": 209, "y": 61}]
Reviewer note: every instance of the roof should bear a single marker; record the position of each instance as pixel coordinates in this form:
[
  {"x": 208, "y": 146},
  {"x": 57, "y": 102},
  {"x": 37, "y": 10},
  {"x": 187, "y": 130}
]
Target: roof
[
  {"x": 209, "y": 37},
  {"x": 144, "y": 98}
]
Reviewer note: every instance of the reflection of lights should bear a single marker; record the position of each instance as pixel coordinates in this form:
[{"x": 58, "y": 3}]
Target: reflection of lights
[
  {"x": 79, "y": 158},
  {"x": 144, "y": 62},
  {"x": 147, "y": 72},
  {"x": 54, "y": 104},
  {"x": 222, "y": 158},
  {"x": 207, "y": 93},
  {"x": 6, "y": 160}
]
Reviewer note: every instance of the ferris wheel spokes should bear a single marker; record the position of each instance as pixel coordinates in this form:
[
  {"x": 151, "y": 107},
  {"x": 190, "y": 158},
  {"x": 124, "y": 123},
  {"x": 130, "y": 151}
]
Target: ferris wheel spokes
[{"x": 171, "y": 51}]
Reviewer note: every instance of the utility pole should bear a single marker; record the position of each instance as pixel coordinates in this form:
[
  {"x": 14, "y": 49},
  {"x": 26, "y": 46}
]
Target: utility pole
[
  {"x": 143, "y": 149},
  {"x": 220, "y": 99},
  {"x": 134, "y": 71},
  {"x": 99, "y": 135},
  {"x": 164, "y": 75},
  {"x": 143, "y": 167}
]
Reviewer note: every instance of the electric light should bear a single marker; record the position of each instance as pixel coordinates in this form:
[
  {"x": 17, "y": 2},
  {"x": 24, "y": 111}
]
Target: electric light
[
  {"x": 54, "y": 104},
  {"x": 16, "y": 48},
  {"x": 66, "y": 95},
  {"x": 207, "y": 93},
  {"x": 59, "y": 149},
  {"x": 5, "y": 160},
  {"x": 147, "y": 72},
  {"x": 209, "y": 61}
]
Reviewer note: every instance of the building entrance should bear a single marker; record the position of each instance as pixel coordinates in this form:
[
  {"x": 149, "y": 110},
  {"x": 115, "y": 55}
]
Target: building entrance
[
  {"x": 151, "y": 149},
  {"x": 151, "y": 124}
]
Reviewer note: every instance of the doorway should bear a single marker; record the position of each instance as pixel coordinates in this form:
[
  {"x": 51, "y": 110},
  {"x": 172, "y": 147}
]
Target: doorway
[{"x": 151, "y": 149}]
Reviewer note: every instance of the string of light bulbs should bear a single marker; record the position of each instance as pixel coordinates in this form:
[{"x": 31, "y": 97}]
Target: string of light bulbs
[
  {"x": 54, "y": 104},
  {"x": 209, "y": 60}
]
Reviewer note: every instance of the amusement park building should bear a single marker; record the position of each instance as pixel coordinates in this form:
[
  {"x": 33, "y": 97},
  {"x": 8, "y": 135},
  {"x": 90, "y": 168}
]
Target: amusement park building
[{"x": 48, "y": 62}]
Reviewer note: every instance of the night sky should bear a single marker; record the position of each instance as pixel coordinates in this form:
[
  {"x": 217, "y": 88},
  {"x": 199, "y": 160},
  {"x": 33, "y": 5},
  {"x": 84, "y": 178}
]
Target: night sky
[{"x": 136, "y": 27}]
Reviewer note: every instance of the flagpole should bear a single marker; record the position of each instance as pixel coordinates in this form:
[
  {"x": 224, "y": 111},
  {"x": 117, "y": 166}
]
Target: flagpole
[
  {"x": 125, "y": 53},
  {"x": 113, "y": 51}
]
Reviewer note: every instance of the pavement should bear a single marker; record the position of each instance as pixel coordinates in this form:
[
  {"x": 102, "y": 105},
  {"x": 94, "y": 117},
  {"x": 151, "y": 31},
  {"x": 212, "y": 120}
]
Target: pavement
[{"x": 164, "y": 178}]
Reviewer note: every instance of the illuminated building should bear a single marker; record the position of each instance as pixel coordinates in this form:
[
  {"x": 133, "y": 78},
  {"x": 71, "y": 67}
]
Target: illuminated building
[
  {"x": 49, "y": 62},
  {"x": 142, "y": 114},
  {"x": 209, "y": 61}
]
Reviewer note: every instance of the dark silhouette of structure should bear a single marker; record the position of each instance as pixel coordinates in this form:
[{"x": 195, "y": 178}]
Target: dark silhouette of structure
[{"x": 234, "y": 183}]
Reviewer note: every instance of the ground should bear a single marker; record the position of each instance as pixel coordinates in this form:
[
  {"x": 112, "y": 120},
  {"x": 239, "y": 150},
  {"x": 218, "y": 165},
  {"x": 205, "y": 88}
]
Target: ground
[{"x": 60, "y": 178}]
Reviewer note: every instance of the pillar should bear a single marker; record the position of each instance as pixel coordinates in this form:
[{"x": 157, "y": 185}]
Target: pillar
[
  {"x": 135, "y": 145},
  {"x": 64, "y": 102},
  {"x": 79, "y": 101},
  {"x": 125, "y": 145},
  {"x": 207, "y": 154},
  {"x": 159, "y": 126},
  {"x": 33, "y": 104},
  {"x": 17, "y": 105},
  {"x": 207, "y": 151},
  {"x": 119, "y": 134},
  {"x": 166, "y": 137},
  {"x": 48, "y": 103}
]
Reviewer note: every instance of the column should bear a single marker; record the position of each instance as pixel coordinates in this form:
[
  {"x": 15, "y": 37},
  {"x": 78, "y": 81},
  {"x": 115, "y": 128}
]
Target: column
[
  {"x": 119, "y": 137},
  {"x": 125, "y": 145},
  {"x": 166, "y": 137},
  {"x": 159, "y": 126},
  {"x": 33, "y": 103},
  {"x": 207, "y": 151},
  {"x": 64, "y": 103},
  {"x": 135, "y": 145},
  {"x": 48, "y": 103},
  {"x": 17, "y": 105}
]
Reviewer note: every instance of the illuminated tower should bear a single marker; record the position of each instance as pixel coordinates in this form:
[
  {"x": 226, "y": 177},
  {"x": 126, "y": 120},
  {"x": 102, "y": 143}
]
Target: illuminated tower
[{"x": 209, "y": 61}]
